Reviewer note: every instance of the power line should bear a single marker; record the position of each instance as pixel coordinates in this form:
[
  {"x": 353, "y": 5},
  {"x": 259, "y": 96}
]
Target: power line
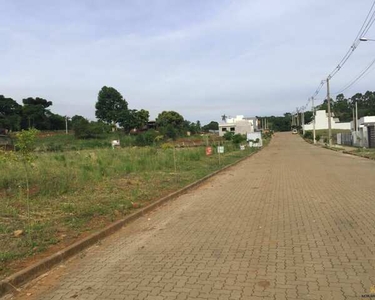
[
  {"x": 366, "y": 25},
  {"x": 363, "y": 30},
  {"x": 361, "y": 74}
]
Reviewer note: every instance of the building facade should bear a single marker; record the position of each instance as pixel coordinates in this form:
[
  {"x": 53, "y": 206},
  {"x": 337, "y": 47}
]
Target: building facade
[
  {"x": 238, "y": 125},
  {"x": 321, "y": 122}
]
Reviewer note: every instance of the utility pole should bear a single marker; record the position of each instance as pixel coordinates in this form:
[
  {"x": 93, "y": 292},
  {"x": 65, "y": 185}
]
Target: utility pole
[
  {"x": 313, "y": 109},
  {"x": 297, "y": 119},
  {"x": 303, "y": 121},
  {"x": 356, "y": 118},
  {"x": 329, "y": 115},
  {"x": 354, "y": 122},
  {"x": 66, "y": 124}
]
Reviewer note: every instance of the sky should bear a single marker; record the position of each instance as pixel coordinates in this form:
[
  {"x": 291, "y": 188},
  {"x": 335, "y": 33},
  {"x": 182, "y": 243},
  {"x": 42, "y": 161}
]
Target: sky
[{"x": 201, "y": 58}]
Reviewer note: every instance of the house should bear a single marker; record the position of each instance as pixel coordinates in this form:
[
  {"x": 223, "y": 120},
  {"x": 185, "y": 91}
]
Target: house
[
  {"x": 364, "y": 135},
  {"x": 321, "y": 122},
  {"x": 238, "y": 125}
]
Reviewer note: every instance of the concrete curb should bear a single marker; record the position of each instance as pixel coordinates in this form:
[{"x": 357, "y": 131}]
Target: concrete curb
[{"x": 14, "y": 281}]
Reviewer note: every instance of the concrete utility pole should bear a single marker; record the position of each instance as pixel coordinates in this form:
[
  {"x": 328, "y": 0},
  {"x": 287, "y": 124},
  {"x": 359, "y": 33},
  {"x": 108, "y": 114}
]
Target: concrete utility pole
[
  {"x": 297, "y": 118},
  {"x": 354, "y": 122},
  {"x": 66, "y": 124},
  {"x": 303, "y": 121},
  {"x": 313, "y": 111},
  {"x": 356, "y": 118},
  {"x": 329, "y": 116}
]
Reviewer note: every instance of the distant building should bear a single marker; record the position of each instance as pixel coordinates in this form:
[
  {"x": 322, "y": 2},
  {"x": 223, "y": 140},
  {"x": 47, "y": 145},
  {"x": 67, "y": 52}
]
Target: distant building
[
  {"x": 238, "y": 125},
  {"x": 321, "y": 122}
]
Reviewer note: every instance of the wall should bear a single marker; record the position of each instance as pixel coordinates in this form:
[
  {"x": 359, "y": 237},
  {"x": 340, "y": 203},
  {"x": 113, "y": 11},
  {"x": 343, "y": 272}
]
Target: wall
[{"x": 321, "y": 122}]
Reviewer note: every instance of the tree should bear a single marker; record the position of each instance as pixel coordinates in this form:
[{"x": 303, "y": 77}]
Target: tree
[
  {"x": 110, "y": 105},
  {"x": 170, "y": 118},
  {"x": 34, "y": 113},
  {"x": 342, "y": 108},
  {"x": 56, "y": 122},
  {"x": 77, "y": 118},
  {"x": 10, "y": 113},
  {"x": 211, "y": 126},
  {"x": 133, "y": 119},
  {"x": 169, "y": 131},
  {"x": 81, "y": 129}
]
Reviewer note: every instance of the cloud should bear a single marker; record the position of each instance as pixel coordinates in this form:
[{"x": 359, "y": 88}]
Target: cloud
[{"x": 201, "y": 58}]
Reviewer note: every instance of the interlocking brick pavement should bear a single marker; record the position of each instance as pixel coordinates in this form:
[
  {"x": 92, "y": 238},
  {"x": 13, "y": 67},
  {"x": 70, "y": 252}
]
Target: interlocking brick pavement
[{"x": 294, "y": 221}]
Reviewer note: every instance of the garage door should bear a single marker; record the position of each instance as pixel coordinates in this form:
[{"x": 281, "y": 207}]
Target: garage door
[{"x": 371, "y": 136}]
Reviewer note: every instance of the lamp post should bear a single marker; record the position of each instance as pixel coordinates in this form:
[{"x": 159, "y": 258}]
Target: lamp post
[{"x": 364, "y": 39}]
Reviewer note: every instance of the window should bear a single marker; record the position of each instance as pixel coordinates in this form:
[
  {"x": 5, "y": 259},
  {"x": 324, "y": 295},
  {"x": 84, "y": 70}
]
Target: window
[
  {"x": 232, "y": 129},
  {"x": 224, "y": 129}
]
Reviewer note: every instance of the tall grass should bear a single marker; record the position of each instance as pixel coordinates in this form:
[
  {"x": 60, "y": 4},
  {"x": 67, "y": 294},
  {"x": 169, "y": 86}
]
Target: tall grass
[
  {"x": 61, "y": 142},
  {"x": 75, "y": 191},
  {"x": 58, "y": 173}
]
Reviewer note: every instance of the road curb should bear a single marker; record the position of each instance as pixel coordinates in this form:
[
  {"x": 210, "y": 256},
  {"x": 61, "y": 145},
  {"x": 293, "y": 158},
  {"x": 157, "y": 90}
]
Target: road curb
[{"x": 11, "y": 283}]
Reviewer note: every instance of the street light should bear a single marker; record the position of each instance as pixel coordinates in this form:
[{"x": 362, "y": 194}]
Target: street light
[{"x": 364, "y": 39}]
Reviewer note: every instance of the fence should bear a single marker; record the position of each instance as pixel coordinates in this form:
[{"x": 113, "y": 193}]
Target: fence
[{"x": 344, "y": 139}]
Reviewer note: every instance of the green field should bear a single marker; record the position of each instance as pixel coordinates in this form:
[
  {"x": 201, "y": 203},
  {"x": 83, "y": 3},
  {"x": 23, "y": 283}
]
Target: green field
[{"x": 79, "y": 191}]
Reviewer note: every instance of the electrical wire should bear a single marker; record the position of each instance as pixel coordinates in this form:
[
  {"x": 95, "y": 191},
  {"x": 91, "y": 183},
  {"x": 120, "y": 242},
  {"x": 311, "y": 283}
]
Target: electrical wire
[
  {"x": 364, "y": 29},
  {"x": 361, "y": 74},
  {"x": 366, "y": 25}
]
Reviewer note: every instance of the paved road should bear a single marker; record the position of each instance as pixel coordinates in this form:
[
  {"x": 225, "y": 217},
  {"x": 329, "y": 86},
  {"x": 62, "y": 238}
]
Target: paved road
[{"x": 292, "y": 222}]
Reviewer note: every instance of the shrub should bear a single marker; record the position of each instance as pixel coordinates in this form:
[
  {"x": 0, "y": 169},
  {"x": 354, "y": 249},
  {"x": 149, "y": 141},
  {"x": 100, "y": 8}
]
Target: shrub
[
  {"x": 317, "y": 138},
  {"x": 308, "y": 135},
  {"x": 82, "y": 129},
  {"x": 228, "y": 136},
  {"x": 169, "y": 131},
  {"x": 167, "y": 146},
  {"x": 238, "y": 138},
  {"x": 146, "y": 139}
]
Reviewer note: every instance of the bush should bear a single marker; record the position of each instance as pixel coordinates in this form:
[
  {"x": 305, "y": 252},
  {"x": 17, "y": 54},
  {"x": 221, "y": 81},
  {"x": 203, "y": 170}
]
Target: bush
[
  {"x": 317, "y": 138},
  {"x": 308, "y": 135},
  {"x": 83, "y": 129},
  {"x": 167, "y": 146},
  {"x": 146, "y": 139},
  {"x": 228, "y": 136},
  {"x": 238, "y": 138},
  {"x": 267, "y": 134},
  {"x": 169, "y": 131}
]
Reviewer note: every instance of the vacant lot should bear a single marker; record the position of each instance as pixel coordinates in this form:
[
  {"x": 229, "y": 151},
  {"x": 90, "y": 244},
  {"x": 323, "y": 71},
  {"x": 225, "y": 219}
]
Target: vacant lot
[{"x": 75, "y": 192}]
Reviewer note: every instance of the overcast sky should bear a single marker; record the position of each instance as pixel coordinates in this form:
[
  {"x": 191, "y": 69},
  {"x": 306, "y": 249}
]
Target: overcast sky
[{"x": 202, "y": 58}]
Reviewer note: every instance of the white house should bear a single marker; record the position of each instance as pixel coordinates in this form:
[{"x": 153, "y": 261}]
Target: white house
[
  {"x": 321, "y": 122},
  {"x": 239, "y": 124},
  {"x": 364, "y": 135}
]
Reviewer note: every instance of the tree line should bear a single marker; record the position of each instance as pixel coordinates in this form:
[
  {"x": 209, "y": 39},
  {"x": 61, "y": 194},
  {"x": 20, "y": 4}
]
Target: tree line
[
  {"x": 112, "y": 112},
  {"x": 341, "y": 107}
]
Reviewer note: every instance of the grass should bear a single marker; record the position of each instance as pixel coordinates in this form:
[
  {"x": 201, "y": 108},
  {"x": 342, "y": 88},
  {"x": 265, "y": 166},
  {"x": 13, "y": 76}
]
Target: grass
[
  {"x": 79, "y": 191},
  {"x": 58, "y": 142},
  {"x": 368, "y": 153},
  {"x": 323, "y": 133}
]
